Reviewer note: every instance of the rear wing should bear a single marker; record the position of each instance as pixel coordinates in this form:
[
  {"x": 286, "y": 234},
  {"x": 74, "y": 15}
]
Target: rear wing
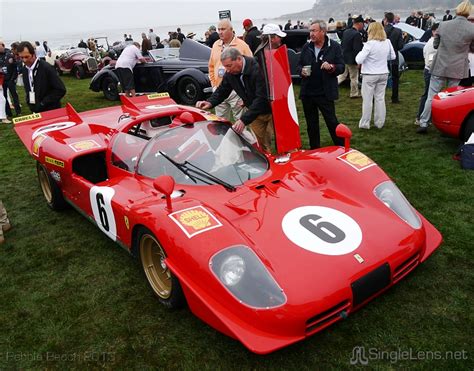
[{"x": 30, "y": 127}]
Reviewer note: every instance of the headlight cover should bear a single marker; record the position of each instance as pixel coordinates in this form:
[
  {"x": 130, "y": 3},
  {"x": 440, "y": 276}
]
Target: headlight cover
[
  {"x": 242, "y": 273},
  {"x": 390, "y": 195}
]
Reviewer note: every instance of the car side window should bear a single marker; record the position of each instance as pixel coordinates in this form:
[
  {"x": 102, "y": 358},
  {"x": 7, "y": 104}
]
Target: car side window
[{"x": 126, "y": 150}]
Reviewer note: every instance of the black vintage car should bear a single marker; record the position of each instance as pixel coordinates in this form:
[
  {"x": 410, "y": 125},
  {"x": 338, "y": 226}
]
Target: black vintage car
[{"x": 182, "y": 72}]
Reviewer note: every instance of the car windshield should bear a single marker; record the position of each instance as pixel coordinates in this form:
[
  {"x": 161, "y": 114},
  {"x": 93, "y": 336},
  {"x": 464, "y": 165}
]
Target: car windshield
[
  {"x": 189, "y": 49},
  {"x": 202, "y": 153}
]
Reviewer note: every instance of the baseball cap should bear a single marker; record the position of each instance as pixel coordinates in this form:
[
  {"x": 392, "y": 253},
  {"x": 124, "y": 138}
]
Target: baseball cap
[
  {"x": 272, "y": 29},
  {"x": 247, "y": 22}
]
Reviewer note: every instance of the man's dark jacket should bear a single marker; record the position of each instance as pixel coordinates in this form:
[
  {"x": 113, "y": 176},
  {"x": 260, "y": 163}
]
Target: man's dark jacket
[
  {"x": 253, "y": 94},
  {"x": 252, "y": 38},
  {"x": 213, "y": 37},
  {"x": 395, "y": 36},
  {"x": 49, "y": 88},
  {"x": 331, "y": 52},
  {"x": 351, "y": 45}
]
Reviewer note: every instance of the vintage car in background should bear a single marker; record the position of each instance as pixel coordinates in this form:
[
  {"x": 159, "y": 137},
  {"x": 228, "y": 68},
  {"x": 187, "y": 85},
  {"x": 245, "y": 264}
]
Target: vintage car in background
[
  {"x": 295, "y": 40},
  {"x": 413, "y": 49},
  {"x": 267, "y": 248},
  {"x": 78, "y": 62},
  {"x": 452, "y": 112},
  {"x": 183, "y": 72}
]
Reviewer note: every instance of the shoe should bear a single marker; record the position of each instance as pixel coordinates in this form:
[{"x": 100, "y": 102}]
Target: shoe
[
  {"x": 6, "y": 121},
  {"x": 364, "y": 127},
  {"x": 6, "y": 227},
  {"x": 422, "y": 130},
  {"x": 417, "y": 122},
  {"x": 355, "y": 97},
  {"x": 395, "y": 101}
]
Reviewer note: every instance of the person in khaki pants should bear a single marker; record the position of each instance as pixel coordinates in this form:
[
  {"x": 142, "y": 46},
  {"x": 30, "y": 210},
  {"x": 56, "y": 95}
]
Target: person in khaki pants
[{"x": 4, "y": 222}]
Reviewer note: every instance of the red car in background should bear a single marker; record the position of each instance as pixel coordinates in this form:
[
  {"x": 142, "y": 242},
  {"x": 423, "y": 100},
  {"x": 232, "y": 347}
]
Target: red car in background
[
  {"x": 78, "y": 63},
  {"x": 453, "y": 112}
]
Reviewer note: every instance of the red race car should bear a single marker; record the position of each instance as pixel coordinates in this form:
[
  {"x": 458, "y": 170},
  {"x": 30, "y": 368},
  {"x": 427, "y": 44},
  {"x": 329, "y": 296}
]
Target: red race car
[
  {"x": 268, "y": 249},
  {"x": 453, "y": 112}
]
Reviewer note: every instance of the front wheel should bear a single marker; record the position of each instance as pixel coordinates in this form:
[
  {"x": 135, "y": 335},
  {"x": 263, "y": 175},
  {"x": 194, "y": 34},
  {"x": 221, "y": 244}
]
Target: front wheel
[
  {"x": 78, "y": 72},
  {"x": 163, "y": 282},
  {"x": 51, "y": 192},
  {"x": 189, "y": 91},
  {"x": 468, "y": 128},
  {"x": 110, "y": 88}
]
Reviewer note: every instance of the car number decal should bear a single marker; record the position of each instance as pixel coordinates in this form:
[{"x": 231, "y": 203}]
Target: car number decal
[
  {"x": 52, "y": 127},
  {"x": 322, "y": 230},
  {"x": 101, "y": 203},
  {"x": 195, "y": 220},
  {"x": 357, "y": 160}
]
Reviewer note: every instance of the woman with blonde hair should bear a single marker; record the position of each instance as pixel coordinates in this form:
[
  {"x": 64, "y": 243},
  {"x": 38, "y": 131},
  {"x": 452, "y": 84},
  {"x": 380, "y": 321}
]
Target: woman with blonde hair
[{"x": 373, "y": 57}]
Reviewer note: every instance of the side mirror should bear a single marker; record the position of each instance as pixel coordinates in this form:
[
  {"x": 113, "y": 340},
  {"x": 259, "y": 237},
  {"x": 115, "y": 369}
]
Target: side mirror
[
  {"x": 165, "y": 184},
  {"x": 186, "y": 118},
  {"x": 342, "y": 131}
]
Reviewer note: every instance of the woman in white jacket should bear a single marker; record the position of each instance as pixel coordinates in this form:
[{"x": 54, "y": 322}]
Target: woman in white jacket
[{"x": 373, "y": 57}]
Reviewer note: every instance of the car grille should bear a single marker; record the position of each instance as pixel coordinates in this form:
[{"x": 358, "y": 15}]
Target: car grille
[
  {"x": 406, "y": 267},
  {"x": 92, "y": 64},
  {"x": 370, "y": 284},
  {"x": 327, "y": 317}
]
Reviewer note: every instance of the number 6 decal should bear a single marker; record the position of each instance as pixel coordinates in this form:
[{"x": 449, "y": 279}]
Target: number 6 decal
[
  {"x": 322, "y": 230},
  {"x": 101, "y": 203}
]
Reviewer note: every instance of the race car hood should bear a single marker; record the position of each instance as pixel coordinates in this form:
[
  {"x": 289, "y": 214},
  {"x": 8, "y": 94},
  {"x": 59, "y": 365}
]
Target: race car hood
[{"x": 307, "y": 226}]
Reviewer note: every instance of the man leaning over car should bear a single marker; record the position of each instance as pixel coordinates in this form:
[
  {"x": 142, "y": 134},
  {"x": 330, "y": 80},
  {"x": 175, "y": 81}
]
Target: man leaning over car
[
  {"x": 244, "y": 77},
  {"x": 124, "y": 67}
]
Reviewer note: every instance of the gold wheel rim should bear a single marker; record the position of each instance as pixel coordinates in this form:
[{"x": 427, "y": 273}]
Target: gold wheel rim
[
  {"x": 156, "y": 271},
  {"x": 45, "y": 185}
]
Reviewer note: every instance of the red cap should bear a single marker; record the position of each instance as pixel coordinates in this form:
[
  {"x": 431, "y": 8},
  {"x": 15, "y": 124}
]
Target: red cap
[{"x": 247, "y": 22}]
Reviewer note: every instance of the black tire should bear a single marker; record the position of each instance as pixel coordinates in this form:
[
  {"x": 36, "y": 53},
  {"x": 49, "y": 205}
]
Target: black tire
[
  {"x": 58, "y": 70},
  {"x": 110, "y": 88},
  {"x": 162, "y": 281},
  {"x": 51, "y": 192},
  {"x": 189, "y": 91},
  {"x": 468, "y": 128},
  {"x": 78, "y": 72}
]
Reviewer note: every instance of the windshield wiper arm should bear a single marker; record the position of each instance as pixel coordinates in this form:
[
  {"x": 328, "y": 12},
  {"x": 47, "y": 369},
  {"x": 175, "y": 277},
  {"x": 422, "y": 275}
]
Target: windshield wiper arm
[
  {"x": 182, "y": 167},
  {"x": 204, "y": 173}
]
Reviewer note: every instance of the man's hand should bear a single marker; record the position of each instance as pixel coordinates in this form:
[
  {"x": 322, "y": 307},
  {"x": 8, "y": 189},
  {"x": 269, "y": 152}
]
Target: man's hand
[
  {"x": 328, "y": 67},
  {"x": 203, "y": 104},
  {"x": 238, "y": 126}
]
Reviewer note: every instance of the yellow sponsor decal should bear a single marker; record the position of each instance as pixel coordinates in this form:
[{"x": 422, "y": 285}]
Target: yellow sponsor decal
[
  {"x": 19, "y": 120},
  {"x": 195, "y": 220},
  {"x": 84, "y": 145},
  {"x": 37, "y": 144},
  {"x": 127, "y": 223},
  {"x": 357, "y": 160},
  {"x": 54, "y": 162},
  {"x": 158, "y": 95},
  {"x": 212, "y": 117}
]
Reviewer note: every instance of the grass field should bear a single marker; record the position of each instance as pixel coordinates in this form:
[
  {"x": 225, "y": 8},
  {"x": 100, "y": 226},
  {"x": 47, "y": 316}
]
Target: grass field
[{"x": 71, "y": 298}]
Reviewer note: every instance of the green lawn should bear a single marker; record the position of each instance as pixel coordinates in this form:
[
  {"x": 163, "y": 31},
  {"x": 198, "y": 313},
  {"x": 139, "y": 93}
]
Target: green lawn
[{"x": 71, "y": 298}]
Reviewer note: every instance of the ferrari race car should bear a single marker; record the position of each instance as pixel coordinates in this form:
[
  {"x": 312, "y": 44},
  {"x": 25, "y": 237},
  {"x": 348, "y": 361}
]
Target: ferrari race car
[
  {"x": 452, "y": 112},
  {"x": 268, "y": 249}
]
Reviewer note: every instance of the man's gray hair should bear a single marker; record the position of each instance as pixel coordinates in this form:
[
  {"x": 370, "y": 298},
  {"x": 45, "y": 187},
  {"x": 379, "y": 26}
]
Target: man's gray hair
[
  {"x": 231, "y": 53},
  {"x": 322, "y": 24}
]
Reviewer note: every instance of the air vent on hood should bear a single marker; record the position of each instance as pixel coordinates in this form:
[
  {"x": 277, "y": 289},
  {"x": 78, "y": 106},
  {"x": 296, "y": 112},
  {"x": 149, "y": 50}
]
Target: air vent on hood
[{"x": 406, "y": 267}]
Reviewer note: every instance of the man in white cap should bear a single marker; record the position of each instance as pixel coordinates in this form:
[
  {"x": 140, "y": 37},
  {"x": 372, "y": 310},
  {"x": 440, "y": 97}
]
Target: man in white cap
[{"x": 273, "y": 35}]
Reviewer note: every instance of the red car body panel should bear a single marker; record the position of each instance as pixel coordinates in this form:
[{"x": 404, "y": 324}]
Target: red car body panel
[
  {"x": 319, "y": 287},
  {"x": 451, "y": 109}
]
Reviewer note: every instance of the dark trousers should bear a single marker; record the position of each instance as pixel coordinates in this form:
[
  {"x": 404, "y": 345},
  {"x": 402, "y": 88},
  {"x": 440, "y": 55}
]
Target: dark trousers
[
  {"x": 311, "y": 107},
  {"x": 395, "y": 81},
  {"x": 427, "y": 77},
  {"x": 11, "y": 86}
]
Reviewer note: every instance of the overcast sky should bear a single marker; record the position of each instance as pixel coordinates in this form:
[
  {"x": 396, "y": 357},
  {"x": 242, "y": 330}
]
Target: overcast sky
[{"x": 28, "y": 18}]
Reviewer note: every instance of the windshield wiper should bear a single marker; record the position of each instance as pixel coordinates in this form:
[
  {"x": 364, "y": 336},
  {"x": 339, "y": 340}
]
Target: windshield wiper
[
  {"x": 204, "y": 173},
  {"x": 197, "y": 173},
  {"x": 182, "y": 167}
]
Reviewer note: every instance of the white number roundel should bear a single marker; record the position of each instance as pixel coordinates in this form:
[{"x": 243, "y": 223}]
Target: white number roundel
[
  {"x": 101, "y": 203},
  {"x": 322, "y": 230}
]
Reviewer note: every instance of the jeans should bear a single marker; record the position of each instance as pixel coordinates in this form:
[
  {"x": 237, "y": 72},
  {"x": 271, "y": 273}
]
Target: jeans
[
  {"x": 426, "y": 76},
  {"x": 11, "y": 86},
  {"x": 373, "y": 90},
  {"x": 436, "y": 84}
]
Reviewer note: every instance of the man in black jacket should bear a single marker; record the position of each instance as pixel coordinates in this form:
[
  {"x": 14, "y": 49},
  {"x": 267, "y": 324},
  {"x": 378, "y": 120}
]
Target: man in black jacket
[
  {"x": 351, "y": 46},
  {"x": 396, "y": 38},
  {"x": 319, "y": 64},
  {"x": 43, "y": 87},
  {"x": 243, "y": 75},
  {"x": 9, "y": 67},
  {"x": 251, "y": 35}
]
